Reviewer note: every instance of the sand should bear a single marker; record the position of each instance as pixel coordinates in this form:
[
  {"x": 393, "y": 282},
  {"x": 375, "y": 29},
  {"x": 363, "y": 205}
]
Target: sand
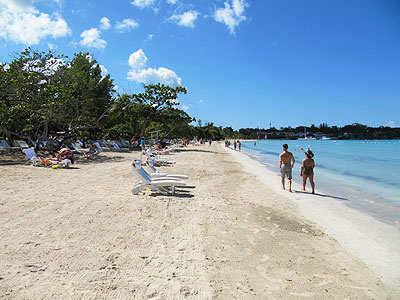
[{"x": 79, "y": 233}]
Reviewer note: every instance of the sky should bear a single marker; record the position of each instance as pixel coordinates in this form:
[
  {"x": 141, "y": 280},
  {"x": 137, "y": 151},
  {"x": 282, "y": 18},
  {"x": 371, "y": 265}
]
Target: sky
[{"x": 244, "y": 63}]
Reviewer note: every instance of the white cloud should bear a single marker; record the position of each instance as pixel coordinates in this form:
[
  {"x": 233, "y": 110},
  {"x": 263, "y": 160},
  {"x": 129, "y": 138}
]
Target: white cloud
[
  {"x": 137, "y": 62},
  {"x": 149, "y": 37},
  {"x": 392, "y": 124},
  {"x": 51, "y": 46},
  {"x": 126, "y": 25},
  {"x": 91, "y": 38},
  {"x": 21, "y": 23},
  {"x": 142, "y": 3},
  {"x": 186, "y": 19},
  {"x": 201, "y": 101},
  {"x": 185, "y": 107},
  {"x": 18, "y": 5},
  {"x": 104, "y": 71},
  {"x": 172, "y": 1},
  {"x": 232, "y": 14},
  {"x": 104, "y": 23}
]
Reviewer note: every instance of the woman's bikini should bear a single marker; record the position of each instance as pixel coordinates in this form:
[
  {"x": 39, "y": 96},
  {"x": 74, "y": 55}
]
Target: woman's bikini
[{"x": 308, "y": 170}]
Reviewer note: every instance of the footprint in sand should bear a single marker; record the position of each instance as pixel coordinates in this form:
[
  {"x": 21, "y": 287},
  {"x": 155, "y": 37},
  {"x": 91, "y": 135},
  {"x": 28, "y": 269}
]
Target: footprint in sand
[
  {"x": 273, "y": 284},
  {"x": 326, "y": 279},
  {"x": 305, "y": 295},
  {"x": 252, "y": 241}
]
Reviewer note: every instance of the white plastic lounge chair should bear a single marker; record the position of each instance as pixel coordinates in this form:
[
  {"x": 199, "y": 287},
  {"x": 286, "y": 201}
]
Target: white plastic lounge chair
[
  {"x": 100, "y": 147},
  {"x": 36, "y": 161},
  {"x": 157, "y": 160},
  {"x": 163, "y": 186},
  {"x": 33, "y": 158},
  {"x": 167, "y": 150},
  {"x": 78, "y": 148},
  {"x": 22, "y": 144},
  {"x": 156, "y": 174},
  {"x": 118, "y": 148},
  {"x": 5, "y": 145}
]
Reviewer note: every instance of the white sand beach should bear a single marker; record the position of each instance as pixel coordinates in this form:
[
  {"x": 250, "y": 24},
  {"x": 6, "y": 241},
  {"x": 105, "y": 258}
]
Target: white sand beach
[{"x": 80, "y": 233}]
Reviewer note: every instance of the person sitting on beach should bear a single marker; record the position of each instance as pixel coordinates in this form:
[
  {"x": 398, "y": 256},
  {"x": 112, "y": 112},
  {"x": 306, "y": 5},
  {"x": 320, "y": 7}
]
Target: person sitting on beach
[
  {"x": 286, "y": 163},
  {"x": 158, "y": 147},
  {"x": 307, "y": 170},
  {"x": 92, "y": 152},
  {"x": 65, "y": 153},
  {"x": 133, "y": 141}
]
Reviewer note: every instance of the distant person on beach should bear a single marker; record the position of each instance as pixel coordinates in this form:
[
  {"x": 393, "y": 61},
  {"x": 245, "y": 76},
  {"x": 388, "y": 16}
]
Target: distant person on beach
[
  {"x": 133, "y": 141},
  {"x": 307, "y": 170},
  {"x": 143, "y": 144},
  {"x": 239, "y": 145},
  {"x": 65, "y": 153},
  {"x": 234, "y": 144},
  {"x": 255, "y": 143},
  {"x": 286, "y": 163}
]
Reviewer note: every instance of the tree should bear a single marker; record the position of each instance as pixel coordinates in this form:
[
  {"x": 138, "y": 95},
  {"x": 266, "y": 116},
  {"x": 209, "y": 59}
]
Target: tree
[
  {"x": 87, "y": 97},
  {"x": 28, "y": 95},
  {"x": 154, "y": 99}
]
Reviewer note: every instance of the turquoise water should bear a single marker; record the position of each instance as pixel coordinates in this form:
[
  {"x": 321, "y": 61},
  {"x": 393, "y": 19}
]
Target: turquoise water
[{"x": 363, "y": 174}]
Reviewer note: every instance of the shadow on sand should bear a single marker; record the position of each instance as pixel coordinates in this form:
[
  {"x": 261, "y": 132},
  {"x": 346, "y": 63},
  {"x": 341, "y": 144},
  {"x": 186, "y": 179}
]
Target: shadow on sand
[
  {"x": 101, "y": 159},
  {"x": 321, "y": 195},
  {"x": 178, "y": 194},
  {"x": 195, "y": 150}
]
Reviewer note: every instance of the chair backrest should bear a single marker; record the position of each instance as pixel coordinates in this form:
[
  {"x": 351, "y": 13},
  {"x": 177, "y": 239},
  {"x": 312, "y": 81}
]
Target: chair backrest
[
  {"x": 137, "y": 166},
  {"x": 150, "y": 154},
  {"x": 5, "y": 144},
  {"x": 150, "y": 163},
  {"x": 77, "y": 147},
  {"x": 23, "y": 144},
  {"x": 30, "y": 153}
]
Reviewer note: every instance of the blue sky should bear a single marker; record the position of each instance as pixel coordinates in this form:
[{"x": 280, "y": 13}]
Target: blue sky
[{"x": 245, "y": 63}]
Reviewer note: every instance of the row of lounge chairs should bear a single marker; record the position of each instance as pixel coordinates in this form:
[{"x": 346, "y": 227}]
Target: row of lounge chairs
[
  {"x": 159, "y": 182},
  {"x": 100, "y": 144},
  {"x": 155, "y": 180}
]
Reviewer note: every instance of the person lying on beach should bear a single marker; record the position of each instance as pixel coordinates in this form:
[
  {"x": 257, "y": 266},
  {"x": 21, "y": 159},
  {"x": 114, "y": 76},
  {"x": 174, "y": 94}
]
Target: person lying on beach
[
  {"x": 286, "y": 163},
  {"x": 307, "y": 170},
  {"x": 92, "y": 152},
  {"x": 65, "y": 153}
]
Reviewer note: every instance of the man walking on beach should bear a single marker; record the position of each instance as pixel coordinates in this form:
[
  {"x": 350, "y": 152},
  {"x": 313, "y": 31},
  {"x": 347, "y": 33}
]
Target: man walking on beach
[{"x": 286, "y": 166}]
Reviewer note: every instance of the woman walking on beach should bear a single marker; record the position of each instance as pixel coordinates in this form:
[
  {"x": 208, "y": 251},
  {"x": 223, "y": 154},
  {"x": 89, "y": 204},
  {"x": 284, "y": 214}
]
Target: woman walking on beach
[{"x": 307, "y": 170}]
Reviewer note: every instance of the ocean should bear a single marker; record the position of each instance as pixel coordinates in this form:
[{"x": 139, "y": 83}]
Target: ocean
[{"x": 363, "y": 174}]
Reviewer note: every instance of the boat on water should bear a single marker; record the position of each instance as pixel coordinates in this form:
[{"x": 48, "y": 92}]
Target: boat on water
[{"x": 307, "y": 138}]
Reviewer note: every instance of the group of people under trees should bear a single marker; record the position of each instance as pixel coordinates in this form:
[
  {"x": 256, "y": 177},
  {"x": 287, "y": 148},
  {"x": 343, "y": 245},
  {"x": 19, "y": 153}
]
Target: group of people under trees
[{"x": 286, "y": 163}]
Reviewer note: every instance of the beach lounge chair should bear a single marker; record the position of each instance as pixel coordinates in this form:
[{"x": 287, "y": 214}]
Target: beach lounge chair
[
  {"x": 157, "y": 160},
  {"x": 163, "y": 186},
  {"x": 6, "y": 146},
  {"x": 22, "y": 144},
  {"x": 118, "y": 148},
  {"x": 97, "y": 143},
  {"x": 156, "y": 174},
  {"x": 37, "y": 161},
  {"x": 78, "y": 148}
]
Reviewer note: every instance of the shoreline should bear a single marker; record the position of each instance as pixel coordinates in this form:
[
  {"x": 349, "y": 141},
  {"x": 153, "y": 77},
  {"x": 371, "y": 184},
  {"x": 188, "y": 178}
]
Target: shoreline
[
  {"x": 376, "y": 201},
  {"x": 375, "y": 242}
]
